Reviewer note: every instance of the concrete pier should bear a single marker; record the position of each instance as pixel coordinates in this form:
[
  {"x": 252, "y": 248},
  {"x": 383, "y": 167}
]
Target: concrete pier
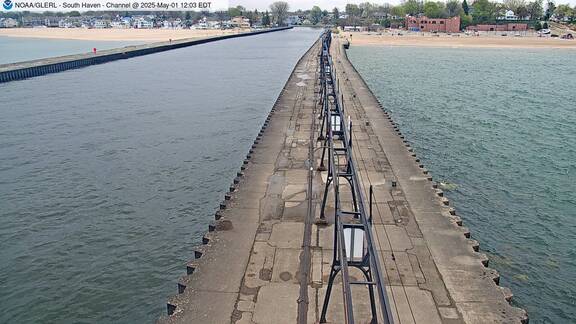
[
  {"x": 29, "y": 69},
  {"x": 267, "y": 256}
]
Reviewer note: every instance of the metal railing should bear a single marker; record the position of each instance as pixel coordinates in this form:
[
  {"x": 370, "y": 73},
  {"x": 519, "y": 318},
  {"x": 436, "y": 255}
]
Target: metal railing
[{"x": 354, "y": 245}]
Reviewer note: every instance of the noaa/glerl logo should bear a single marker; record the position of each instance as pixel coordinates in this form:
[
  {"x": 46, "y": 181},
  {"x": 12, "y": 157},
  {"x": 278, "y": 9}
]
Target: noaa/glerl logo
[{"x": 7, "y": 4}]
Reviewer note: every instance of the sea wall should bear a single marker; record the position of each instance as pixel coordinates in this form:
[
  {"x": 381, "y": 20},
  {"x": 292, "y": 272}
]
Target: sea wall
[
  {"x": 473, "y": 288},
  {"x": 29, "y": 69},
  {"x": 251, "y": 264}
]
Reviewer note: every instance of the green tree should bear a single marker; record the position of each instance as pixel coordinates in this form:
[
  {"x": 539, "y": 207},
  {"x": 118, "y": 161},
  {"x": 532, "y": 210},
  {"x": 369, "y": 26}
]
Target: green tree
[
  {"x": 326, "y": 17},
  {"x": 266, "y": 19},
  {"x": 522, "y": 12},
  {"x": 537, "y": 26},
  {"x": 257, "y": 16},
  {"x": 412, "y": 7},
  {"x": 385, "y": 23},
  {"x": 453, "y": 8},
  {"x": 279, "y": 11},
  {"x": 315, "y": 15},
  {"x": 367, "y": 10},
  {"x": 484, "y": 11},
  {"x": 545, "y": 25},
  {"x": 465, "y": 20},
  {"x": 398, "y": 11},
  {"x": 434, "y": 9},
  {"x": 563, "y": 11},
  {"x": 336, "y": 15},
  {"x": 514, "y": 5},
  {"x": 535, "y": 9},
  {"x": 353, "y": 10},
  {"x": 236, "y": 11},
  {"x": 550, "y": 8},
  {"x": 465, "y": 7}
]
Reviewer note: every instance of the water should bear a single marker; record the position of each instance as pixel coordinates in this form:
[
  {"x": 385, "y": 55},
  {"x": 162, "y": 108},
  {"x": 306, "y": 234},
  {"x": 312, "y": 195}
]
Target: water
[
  {"x": 501, "y": 126},
  {"x": 109, "y": 175},
  {"x": 17, "y": 49}
]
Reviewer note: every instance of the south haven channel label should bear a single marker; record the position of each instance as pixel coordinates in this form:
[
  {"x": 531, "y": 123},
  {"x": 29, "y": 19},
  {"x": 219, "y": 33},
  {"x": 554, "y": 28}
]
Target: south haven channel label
[{"x": 124, "y": 5}]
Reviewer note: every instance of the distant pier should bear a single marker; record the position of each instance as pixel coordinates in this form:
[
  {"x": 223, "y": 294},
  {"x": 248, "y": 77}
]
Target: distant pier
[
  {"x": 29, "y": 69},
  {"x": 328, "y": 166}
]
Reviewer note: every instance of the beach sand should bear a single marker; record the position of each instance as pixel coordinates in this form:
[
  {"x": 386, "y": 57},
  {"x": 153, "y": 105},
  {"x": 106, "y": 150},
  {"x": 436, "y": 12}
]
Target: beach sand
[
  {"x": 144, "y": 35},
  {"x": 358, "y": 38},
  {"x": 452, "y": 41}
]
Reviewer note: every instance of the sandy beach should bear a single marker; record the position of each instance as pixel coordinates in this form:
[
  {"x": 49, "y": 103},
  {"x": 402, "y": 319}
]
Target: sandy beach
[
  {"x": 358, "y": 38},
  {"x": 455, "y": 41},
  {"x": 145, "y": 35}
]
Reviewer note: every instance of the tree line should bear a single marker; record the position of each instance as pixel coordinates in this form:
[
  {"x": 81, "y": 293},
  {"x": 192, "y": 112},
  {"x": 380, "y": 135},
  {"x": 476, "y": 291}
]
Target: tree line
[
  {"x": 481, "y": 11},
  {"x": 275, "y": 16},
  {"x": 366, "y": 14}
]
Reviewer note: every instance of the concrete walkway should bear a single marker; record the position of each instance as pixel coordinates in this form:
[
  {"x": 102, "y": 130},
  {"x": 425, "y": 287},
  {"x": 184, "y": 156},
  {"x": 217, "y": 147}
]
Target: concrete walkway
[
  {"x": 250, "y": 268},
  {"x": 248, "y": 271}
]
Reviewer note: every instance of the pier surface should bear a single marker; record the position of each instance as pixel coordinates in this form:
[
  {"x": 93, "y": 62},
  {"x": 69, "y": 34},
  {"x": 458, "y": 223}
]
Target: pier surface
[{"x": 267, "y": 258}]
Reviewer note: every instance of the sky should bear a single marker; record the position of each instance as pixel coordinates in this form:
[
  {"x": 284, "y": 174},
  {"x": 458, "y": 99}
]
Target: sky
[
  {"x": 326, "y": 4},
  {"x": 300, "y": 4}
]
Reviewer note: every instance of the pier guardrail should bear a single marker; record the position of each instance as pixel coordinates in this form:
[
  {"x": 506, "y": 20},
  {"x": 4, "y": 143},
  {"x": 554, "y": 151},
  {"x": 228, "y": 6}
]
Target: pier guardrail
[
  {"x": 354, "y": 245},
  {"x": 29, "y": 69}
]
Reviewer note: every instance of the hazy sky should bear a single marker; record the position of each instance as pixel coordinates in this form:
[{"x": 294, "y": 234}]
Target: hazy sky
[
  {"x": 325, "y": 4},
  {"x": 301, "y": 4},
  {"x": 295, "y": 4}
]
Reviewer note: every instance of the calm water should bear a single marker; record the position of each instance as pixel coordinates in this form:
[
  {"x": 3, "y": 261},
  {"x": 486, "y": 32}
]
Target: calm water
[
  {"x": 16, "y": 49},
  {"x": 110, "y": 174},
  {"x": 501, "y": 126}
]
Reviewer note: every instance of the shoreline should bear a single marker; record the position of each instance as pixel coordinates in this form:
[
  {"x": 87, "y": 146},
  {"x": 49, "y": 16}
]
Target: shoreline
[
  {"x": 408, "y": 39},
  {"x": 131, "y": 35},
  {"x": 460, "y": 41},
  {"x": 28, "y": 69}
]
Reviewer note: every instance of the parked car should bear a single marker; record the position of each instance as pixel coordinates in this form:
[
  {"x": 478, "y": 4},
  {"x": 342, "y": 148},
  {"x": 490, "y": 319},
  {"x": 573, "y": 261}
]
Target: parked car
[{"x": 544, "y": 31}]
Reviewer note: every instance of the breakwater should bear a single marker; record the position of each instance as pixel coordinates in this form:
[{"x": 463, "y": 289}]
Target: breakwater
[
  {"x": 24, "y": 70},
  {"x": 271, "y": 253}
]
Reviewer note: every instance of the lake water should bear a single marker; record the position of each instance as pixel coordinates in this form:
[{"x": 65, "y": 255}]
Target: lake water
[
  {"x": 18, "y": 49},
  {"x": 110, "y": 174},
  {"x": 499, "y": 124}
]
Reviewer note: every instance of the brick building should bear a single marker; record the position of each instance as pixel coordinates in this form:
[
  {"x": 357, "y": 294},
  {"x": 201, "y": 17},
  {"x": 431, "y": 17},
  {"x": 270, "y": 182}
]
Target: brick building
[
  {"x": 501, "y": 27},
  {"x": 425, "y": 24}
]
